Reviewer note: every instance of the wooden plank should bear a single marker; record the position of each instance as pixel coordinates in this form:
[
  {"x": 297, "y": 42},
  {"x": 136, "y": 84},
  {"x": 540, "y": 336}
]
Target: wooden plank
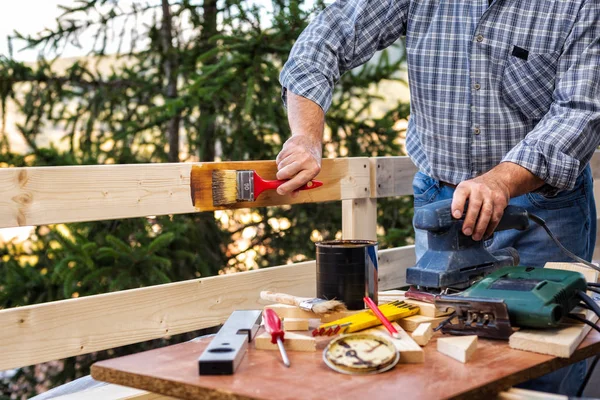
[
  {"x": 38, "y": 195},
  {"x": 359, "y": 219},
  {"x": 411, "y": 323},
  {"x": 113, "y": 392},
  {"x": 393, "y": 264},
  {"x": 343, "y": 178},
  {"x": 524, "y": 394},
  {"x": 393, "y": 176},
  {"x": 261, "y": 375},
  {"x": 295, "y": 324},
  {"x": 60, "y": 329}
]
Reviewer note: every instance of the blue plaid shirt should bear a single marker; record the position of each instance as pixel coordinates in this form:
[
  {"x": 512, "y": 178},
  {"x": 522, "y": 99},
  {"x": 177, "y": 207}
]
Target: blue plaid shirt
[{"x": 514, "y": 81}]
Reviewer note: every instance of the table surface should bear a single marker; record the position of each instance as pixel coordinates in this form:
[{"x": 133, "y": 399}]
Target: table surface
[{"x": 173, "y": 371}]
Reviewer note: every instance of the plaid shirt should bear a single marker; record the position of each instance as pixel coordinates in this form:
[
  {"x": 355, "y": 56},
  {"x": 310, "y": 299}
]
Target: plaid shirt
[{"x": 514, "y": 81}]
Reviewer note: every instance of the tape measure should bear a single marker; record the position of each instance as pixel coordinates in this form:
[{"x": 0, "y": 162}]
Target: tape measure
[{"x": 361, "y": 354}]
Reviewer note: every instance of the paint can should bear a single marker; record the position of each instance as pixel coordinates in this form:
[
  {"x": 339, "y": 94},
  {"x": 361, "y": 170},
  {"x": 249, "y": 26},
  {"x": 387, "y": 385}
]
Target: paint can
[{"x": 347, "y": 271}]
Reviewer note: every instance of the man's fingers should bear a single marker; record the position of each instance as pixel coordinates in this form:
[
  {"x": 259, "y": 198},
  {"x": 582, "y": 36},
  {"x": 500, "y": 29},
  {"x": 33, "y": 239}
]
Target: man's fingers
[
  {"x": 283, "y": 154},
  {"x": 485, "y": 215},
  {"x": 494, "y": 221},
  {"x": 289, "y": 171},
  {"x": 461, "y": 194},
  {"x": 286, "y": 161},
  {"x": 299, "y": 180},
  {"x": 475, "y": 203}
]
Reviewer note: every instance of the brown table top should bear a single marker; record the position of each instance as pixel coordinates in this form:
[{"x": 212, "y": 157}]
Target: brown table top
[{"x": 173, "y": 371}]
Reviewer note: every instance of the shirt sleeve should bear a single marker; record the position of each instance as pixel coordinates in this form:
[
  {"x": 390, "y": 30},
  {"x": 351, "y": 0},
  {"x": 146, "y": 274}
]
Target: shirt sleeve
[
  {"x": 563, "y": 142},
  {"x": 345, "y": 35}
]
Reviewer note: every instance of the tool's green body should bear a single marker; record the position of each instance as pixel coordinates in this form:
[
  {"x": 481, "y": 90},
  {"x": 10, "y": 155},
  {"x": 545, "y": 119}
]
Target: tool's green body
[{"x": 535, "y": 297}]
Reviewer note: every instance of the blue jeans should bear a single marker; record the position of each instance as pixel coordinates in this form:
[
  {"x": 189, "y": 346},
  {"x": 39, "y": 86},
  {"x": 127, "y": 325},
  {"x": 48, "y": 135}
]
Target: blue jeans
[{"x": 571, "y": 216}]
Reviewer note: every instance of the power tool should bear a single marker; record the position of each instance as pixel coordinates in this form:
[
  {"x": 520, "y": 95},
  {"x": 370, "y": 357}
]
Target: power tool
[
  {"x": 453, "y": 259},
  {"x": 509, "y": 295}
]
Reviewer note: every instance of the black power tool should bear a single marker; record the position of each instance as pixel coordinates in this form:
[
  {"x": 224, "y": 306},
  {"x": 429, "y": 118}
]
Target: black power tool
[{"x": 454, "y": 260}]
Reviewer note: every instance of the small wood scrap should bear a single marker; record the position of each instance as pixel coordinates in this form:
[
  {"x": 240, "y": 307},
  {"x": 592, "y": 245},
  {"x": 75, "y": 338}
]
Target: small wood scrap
[
  {"x": 410, "y": 324},
  {"x": 461, "y": 348},
  {"x": 423, "y": 334},
  {"x": 292, "y": 342},
  {"x": 295, "y": 324},
  {"x": 425, "y": 309},
  {"x": 410, "y": 351}
]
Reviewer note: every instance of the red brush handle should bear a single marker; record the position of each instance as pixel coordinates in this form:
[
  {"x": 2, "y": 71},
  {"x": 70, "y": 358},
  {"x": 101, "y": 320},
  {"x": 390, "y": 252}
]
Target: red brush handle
[
  {"x": 386, "y": 322},
  {"x": 260, "y": 185},
  {"x": 272, "y": 325}
]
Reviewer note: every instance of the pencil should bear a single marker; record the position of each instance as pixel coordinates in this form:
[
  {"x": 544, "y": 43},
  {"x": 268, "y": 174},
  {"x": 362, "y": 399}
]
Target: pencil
[{"x": 386, "y": 322}]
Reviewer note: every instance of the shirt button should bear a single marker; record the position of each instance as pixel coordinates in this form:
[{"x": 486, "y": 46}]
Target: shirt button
[
  {"x": 479, "y": 38},
  {"x": 476, "y": 130},
  {"x": 477, "y": 86}
]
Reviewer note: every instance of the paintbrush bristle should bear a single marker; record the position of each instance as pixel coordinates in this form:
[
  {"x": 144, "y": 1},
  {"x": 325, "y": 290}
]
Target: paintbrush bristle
[
  {"x": 224, "y": 186},
  {"x": 328, "y": 306}
]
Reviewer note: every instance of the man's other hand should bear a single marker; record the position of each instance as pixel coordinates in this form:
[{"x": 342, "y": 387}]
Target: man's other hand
[
  {"x": 299, "y": 161},
  {"x": 488, "y": 196}
]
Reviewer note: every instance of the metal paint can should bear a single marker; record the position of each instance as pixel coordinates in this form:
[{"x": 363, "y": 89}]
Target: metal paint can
[{"x": 347, "y": 271}]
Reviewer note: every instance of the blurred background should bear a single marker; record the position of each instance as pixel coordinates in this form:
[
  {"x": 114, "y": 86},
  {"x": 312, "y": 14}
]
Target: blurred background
[{"x": 126, "y": 81}]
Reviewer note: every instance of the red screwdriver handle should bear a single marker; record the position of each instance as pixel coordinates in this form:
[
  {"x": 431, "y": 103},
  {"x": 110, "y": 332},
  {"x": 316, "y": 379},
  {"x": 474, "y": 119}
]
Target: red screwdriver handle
[
  {"x": 260, "y": 185},
  {"x": 273, "y": 325}
]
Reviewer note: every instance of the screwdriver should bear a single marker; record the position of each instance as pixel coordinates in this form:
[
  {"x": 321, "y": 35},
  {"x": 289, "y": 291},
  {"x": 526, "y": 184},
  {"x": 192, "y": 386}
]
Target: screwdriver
[{"x": 273, "y": 326}]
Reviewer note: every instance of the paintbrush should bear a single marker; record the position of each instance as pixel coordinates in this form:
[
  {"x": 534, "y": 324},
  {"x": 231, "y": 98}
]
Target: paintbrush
[
  {"x": 230, "y": 186},
  {"x": 316, "y": 305}
]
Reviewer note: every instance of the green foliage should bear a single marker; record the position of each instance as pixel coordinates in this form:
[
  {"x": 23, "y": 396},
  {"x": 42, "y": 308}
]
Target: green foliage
[{"x": 209, "y": 84}]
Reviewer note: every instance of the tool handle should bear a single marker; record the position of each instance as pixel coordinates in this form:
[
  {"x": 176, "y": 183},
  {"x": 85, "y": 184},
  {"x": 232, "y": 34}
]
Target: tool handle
[
  {"x": 514, "y": 217},
  {"x": 281, "y": 298},
  {"x": 260, "y": 185},
  {"x": 273, "y": 325},
  {"x": 386, "y": 322}
]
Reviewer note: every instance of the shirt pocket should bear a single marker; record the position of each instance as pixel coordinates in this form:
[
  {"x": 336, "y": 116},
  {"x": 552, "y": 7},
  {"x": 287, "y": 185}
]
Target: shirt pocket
[{"x": 527, "y": 84}]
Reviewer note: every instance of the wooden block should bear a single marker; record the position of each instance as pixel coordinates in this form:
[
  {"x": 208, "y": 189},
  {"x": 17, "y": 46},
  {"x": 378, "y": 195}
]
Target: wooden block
[
  {"x": 295, "y": 324},
  {"x": 390, "y": 295},
  {"x": 287, "y": 311},
  {"x": 410, "y": 324},
  {"x": 460, "y": 348},
  {"x": 427, "y": 309},
  {"x": 293, "y": 342},
  {"x": 423, "y": 334},
  {"x": 410, "y": 351},
  {"x": 559, "y": 342}
]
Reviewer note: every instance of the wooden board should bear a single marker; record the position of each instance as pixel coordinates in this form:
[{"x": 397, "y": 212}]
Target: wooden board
[
  {"x": 392, "y": 176},
  {"x": 411, "y": 323},
  {"x": 343, "y": 178},
  {"x": 172, "y": 371},
  {"x": 55, "y": 330},
  {"x": 292, "y": 342},
  {"x": 38, "y": 195}
]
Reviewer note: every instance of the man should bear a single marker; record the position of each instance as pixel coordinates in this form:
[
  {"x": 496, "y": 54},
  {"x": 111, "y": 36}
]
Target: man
[{"x": 505, "y": 107}]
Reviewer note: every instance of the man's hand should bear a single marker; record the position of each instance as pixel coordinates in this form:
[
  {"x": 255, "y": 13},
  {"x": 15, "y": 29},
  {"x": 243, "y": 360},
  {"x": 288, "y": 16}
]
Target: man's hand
[
  {"x": 299, "y": 161},
  {"x": 488, "y": 196},
  {"x": 300, "y": 158}
]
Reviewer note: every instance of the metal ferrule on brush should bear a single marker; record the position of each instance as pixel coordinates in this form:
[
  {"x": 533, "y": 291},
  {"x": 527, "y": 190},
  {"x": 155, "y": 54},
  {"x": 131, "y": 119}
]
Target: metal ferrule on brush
[{"x": 245, "y": 185}]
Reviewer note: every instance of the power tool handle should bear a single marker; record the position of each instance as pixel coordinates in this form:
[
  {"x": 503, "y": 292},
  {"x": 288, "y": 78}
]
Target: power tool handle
[{"x": 514, "y": 217}]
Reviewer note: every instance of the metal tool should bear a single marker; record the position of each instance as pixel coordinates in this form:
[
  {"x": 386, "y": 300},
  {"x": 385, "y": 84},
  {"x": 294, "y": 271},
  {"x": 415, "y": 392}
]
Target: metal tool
[
  {"x": 452, "y": 259},
  {"x": 524, "y": 297},
  {"x": 273, "y": 326},
  {"x": 225, "y": 352}
]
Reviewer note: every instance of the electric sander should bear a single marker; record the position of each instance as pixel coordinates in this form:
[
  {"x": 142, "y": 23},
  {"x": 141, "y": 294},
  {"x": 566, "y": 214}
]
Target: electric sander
[{"x": 453, "y": 259}]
